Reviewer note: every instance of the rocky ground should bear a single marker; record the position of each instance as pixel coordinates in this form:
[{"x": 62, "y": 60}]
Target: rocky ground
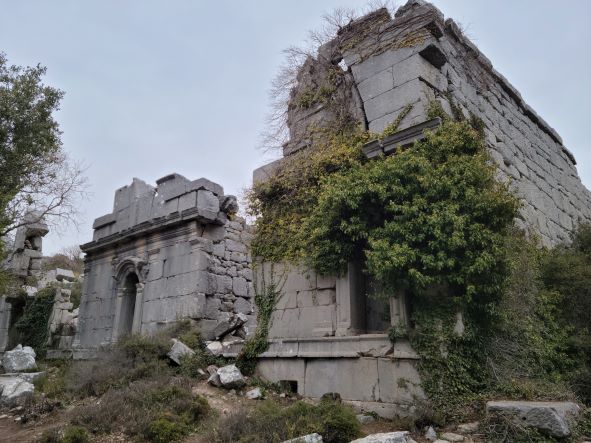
[{"x": 20, "y": 424}]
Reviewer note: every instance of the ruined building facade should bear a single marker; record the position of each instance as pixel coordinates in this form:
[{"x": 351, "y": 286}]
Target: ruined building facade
[
  {"x": 24, "y": 261},
  {"x": 171, "y": 252},
  {"x": 327, "y": 335}
]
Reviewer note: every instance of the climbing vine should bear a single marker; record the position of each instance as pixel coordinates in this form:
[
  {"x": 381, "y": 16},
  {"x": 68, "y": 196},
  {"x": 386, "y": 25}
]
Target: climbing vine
[
  {"x": 32, "y": 327},
  {"x": 266, "y": 296}
]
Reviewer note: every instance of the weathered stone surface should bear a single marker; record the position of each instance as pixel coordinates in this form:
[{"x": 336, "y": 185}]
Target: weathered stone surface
[
  {"x": 430, "y": 434},
  {"x": 365, "y": 419},
  {"x": 215, "y": 347},
  {"x": 231, "y": 377},
  {"x": 214, "y": 380},
  {"x": 178, "y": 351},
  {"x": 208, "y": 205},
  {"x": 19, "y": 359},
  {"x": 468, "y": 428},
  {"x": 386, "y": 437},
  {"x": 15, "y": 390},
  {"x": 310, "y": 438},
  {"x": 254, "y": 394},
  {"x": 451, "y": 437},
  {"x": 176, "y": 259},
  {"x": 554, "y": 418}
]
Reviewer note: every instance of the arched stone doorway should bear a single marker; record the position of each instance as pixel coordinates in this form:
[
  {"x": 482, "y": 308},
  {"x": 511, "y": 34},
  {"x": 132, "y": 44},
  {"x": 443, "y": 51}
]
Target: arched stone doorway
[
  {"x": 128, "y": 303},
  {"x": 129, "y": 286}
]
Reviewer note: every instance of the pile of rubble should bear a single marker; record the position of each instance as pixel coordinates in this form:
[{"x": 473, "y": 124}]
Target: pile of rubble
[{"x": 16, "y": 385}]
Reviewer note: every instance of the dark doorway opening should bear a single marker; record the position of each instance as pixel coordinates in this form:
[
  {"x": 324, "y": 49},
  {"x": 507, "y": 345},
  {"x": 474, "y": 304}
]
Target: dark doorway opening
[{"x": 128, "y": 304}]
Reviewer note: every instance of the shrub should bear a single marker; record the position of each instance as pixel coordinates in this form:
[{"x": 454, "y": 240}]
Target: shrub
[
  {"x": 72, "y": 434},
  {"x": 134, "y": 408},
  {"x": 164, "y": 430},
  {"x": 49, "y": 436},
  {"x": 75, "y": 434},
  {"x": 336, "y": 423}
]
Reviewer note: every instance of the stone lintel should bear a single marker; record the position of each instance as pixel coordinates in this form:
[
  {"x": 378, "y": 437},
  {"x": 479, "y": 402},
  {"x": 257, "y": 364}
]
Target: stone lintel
[{"x": 402, "y": 138}]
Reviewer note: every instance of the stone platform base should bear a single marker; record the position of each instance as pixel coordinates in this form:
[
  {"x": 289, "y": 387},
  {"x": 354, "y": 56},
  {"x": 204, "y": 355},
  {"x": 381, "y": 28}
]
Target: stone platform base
[{"x": 367, "y": 371}]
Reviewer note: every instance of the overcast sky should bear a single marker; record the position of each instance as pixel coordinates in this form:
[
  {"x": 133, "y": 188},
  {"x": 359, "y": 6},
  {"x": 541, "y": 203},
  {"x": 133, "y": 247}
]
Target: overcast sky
[{"x": 154, "y": 87}]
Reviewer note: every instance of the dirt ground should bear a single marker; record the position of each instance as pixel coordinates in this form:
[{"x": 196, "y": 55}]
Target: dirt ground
[{"x": 222, "y": 401}]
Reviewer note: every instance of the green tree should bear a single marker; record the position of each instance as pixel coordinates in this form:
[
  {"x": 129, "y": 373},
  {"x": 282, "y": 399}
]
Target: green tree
[{"x": 35, "y": 172}]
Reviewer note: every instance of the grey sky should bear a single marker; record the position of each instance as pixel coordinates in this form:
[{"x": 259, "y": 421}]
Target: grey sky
[{"x": 154, "y": 87}]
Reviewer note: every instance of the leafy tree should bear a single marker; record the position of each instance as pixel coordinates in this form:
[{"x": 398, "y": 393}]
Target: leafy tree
[
  {"x": 430, "y": 215},
  {"x": 35, "y": 172}
]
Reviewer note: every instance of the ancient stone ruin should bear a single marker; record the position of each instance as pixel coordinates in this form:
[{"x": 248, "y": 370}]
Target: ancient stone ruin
[
  {"x": 326, "y": 334},
  {"x": 177, "y": 251},
  {"x": 25, "y": 262}
]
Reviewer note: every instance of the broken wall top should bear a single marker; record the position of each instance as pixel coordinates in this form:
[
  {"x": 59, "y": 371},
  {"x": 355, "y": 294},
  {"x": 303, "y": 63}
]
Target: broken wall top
[
  {"x": 378, "y": 70},
  {"x": 141, "y": 208}
]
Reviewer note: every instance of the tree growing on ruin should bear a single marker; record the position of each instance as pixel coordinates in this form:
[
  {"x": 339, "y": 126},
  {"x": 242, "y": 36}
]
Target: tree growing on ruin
[{"x": 35, "y": 172}]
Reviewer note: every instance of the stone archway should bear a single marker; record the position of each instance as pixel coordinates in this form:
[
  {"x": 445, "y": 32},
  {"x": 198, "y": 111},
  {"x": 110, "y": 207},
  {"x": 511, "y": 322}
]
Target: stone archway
[{"x": 129, "y": 285}]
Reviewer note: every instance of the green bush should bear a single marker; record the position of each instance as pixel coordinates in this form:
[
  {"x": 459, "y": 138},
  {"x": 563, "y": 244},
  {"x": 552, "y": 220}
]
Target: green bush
[
  {"x": 164, "y": 430},
  {"x": 71, "y": 434},
  {"x": 132, "y": 409},
  {"x": 270, "y": 422},
  {"x": 566, "y": 270},
  {"x": 75, "y": 434},
  {"x": 32, "y": 327}
]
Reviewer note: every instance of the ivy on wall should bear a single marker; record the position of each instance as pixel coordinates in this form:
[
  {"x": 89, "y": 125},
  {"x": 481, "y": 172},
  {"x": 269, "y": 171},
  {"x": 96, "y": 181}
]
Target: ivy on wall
[{"x": 32, "y": 327}]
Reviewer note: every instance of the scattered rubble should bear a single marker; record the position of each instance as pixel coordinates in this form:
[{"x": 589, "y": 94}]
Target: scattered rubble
[
  {"x": 178, "y": 351},
  {"x": 451, "y": 437},
  {"x": 231, "y": 377},
  {"x": 469, "y": 428},
  {"x": 19, "y": 359},
  {"x": 387, "y": 437},
  {"x": 554, "y": 418},
  {"x": 310, "y": 438},
  {"x": 430, "y": 434},
  {"x": 15, "y": 390},
  {"x": 365, "y": 419},
  {"x": 254, "y": 394}
]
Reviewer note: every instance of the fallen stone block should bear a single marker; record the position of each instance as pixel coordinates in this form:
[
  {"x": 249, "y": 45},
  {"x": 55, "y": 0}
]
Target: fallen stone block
[
  {"x": 231, "y": 377},
  {"x": 451, "y": 437},
  {"x": 214, "y": 379},
  {"x": 553, "y": 418},
  {"x": 469, "y": 427},
  {"x": 310, "y": 438},
  {"x": 19, "y": 359},
  {"x": 254, "y": 394},
  {"x": 179, "y": 350},
  {"x": 215, "y": 347},
  {"x": 387, "y": 437},
  {"x": 64, "y": 274},
  {"x": 15, "y": 391},
  {"x": 365, "y": 419},
  {"x": 430, "y": 434}
]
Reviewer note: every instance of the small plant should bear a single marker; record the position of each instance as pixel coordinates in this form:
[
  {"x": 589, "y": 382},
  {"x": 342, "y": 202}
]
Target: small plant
[
  {"x": 164, "y": 430},
  {"x": 336, "y": 423},
  {"x": 75, "y": 434}
]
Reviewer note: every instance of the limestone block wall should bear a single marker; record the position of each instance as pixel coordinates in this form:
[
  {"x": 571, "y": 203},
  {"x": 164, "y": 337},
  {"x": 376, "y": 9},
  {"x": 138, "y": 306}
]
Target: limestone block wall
[
  {"x": 307, "y": 305},
  {"x": 418, "y": 57},
  {"x": 172, "y": 252}
]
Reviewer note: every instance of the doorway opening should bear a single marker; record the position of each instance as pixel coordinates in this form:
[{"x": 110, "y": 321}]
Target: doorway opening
[{"x": 128, "y": 302}]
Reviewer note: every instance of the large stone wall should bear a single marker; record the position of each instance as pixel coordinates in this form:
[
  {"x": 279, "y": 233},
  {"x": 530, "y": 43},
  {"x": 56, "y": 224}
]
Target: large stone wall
[
  {"x": 180, "y": 251},
  {"x": 419, "y": 57}
]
